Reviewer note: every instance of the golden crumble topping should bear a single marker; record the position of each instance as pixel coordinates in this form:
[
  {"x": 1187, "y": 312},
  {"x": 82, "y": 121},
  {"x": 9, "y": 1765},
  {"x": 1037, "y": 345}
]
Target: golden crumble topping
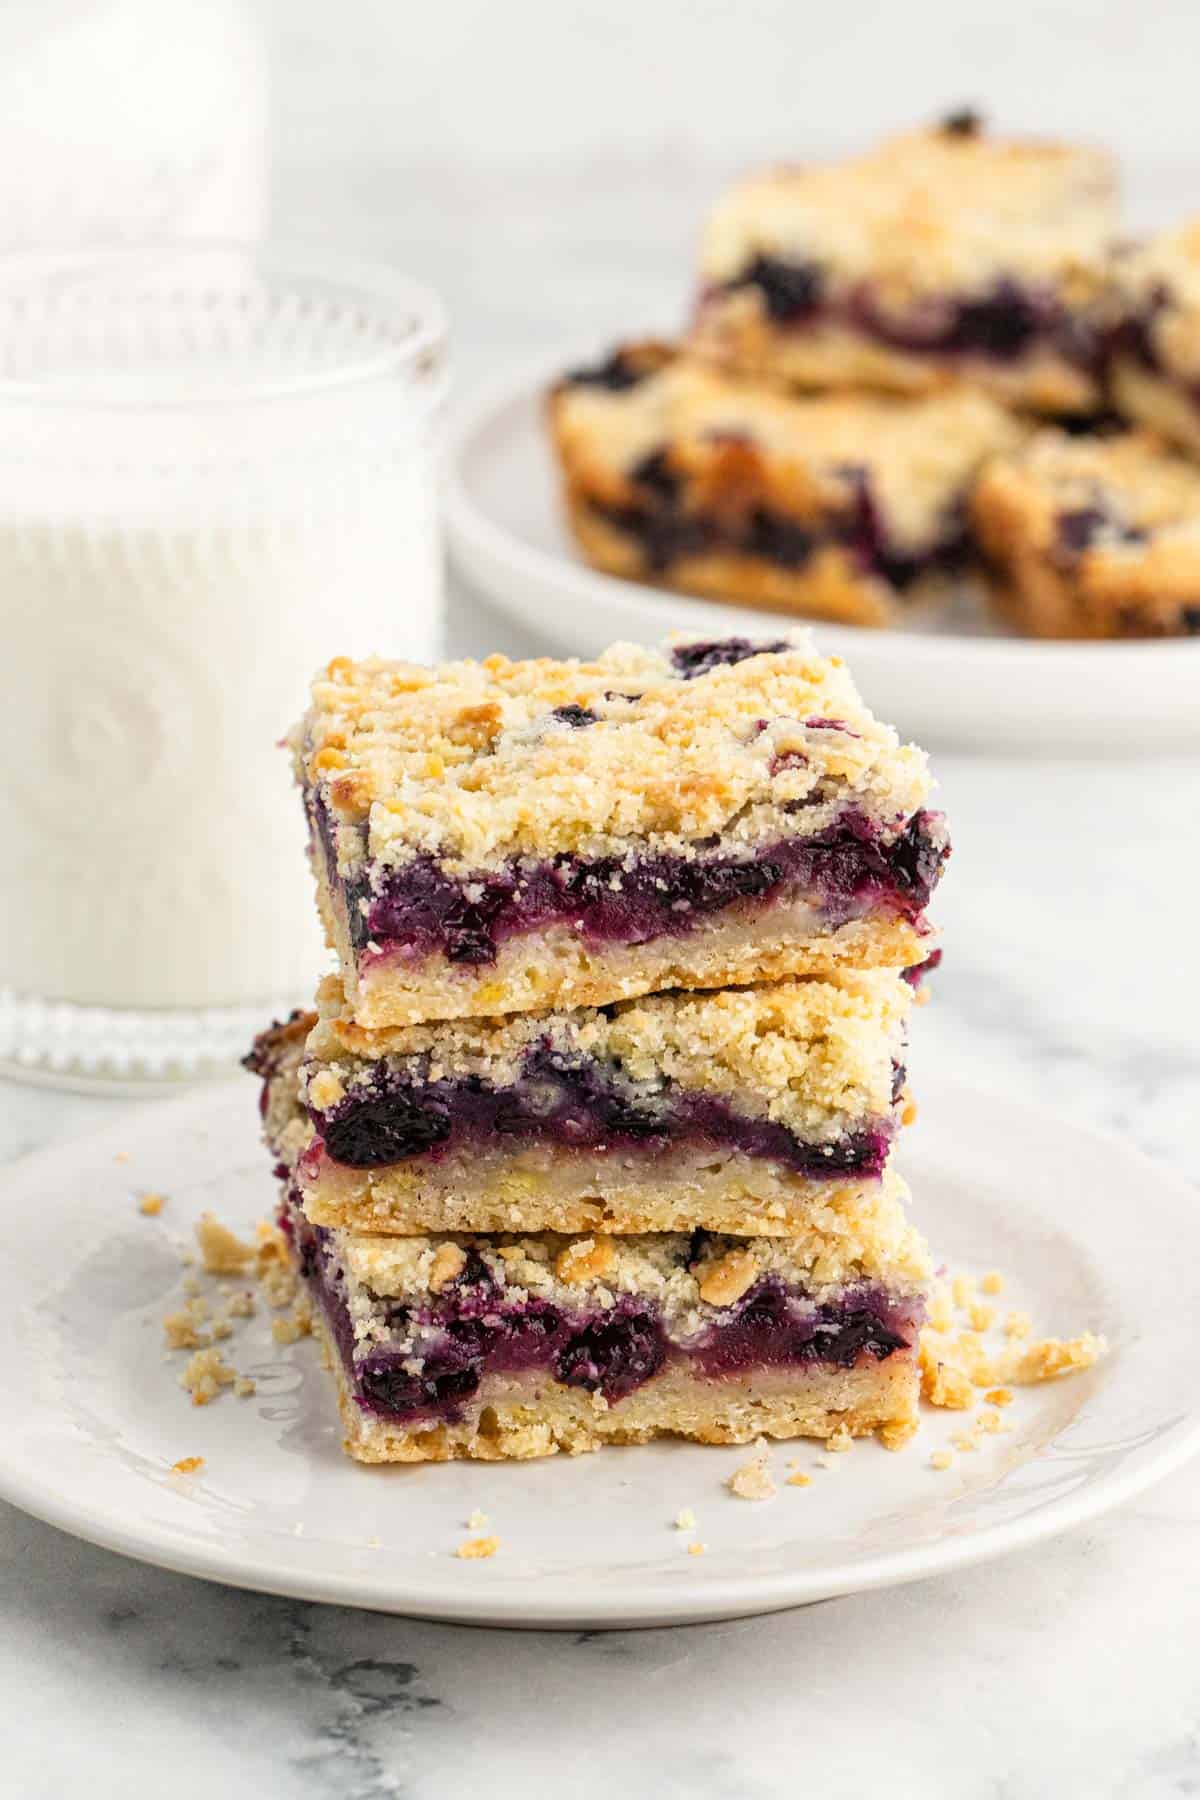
[
  {"x": 927, "y": 212},
  {"x": 467, "y": 762},
  {"x": 810, "y": 1053},
  {"x": 739, "y": 445}
]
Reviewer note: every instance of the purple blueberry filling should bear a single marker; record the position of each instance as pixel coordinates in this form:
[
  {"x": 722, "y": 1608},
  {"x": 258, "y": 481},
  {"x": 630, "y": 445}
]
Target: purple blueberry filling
[
  {"x": 1004, "y": 323},
  {"x": 421, "y": 910},
  {"x": 575, "y": 1105},
  {"x": 667, "y": 531},
  {"x": 449, "y": 1343}
]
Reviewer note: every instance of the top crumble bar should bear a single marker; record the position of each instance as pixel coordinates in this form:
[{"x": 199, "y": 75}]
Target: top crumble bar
[
  {"x": 941, "y": 253},
  {"x": 497, "y": 836}
]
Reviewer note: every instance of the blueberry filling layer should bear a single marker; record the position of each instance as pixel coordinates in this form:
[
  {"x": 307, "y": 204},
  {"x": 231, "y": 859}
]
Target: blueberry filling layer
[
  {"x": 446, "y": 1346},
  {"x": 1004, "y": 323},
  {"x": 668, "y": 530},
  {"x": 574, "y": 1105},
  {"x": 846, "y": 871}
]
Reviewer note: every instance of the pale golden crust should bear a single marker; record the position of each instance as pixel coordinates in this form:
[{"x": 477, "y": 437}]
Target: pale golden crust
[
  {"x": 1139, "y": 573},
  {"x": 467, "y": 763},
  {"x": 734, "y": 329},
  {"x": 828, "y": 586},
  {"x": 510, "y": 1419},
  {"x": 929, "y": 212},
  {"x": 1162, "y": 403},
  {"x": 735, "y": 447},
  {"x": 810, "y": 1054}
]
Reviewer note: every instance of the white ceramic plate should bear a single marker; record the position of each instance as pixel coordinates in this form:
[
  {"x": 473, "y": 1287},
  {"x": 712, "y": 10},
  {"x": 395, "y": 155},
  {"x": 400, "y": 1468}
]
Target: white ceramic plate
[
  {"x": 94, "y": 1416},
  {"x": 962, "y": 684}
]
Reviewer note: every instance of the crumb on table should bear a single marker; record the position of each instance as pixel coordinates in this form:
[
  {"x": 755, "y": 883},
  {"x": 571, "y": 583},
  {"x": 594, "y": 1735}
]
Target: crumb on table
[
  {"x": 205, "y": 1375},
  {"x": 187, "y": 1465},
  {"x": 685, "y": 1519},
  {"x": 476, "y": 1549},
  {"x": 222, "y": 1252},
  {"x": 152, "y": 1204},
  {"x": 752, "y": 1481}
]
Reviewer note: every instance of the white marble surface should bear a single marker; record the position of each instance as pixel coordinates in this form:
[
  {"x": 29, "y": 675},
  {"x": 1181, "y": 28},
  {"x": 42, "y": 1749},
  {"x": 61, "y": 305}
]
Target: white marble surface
[{"x": 1069, "y": 917}]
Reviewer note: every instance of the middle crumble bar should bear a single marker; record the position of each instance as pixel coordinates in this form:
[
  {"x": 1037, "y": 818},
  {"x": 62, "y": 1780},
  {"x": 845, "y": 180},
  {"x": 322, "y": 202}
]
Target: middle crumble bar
[
  {"x": 505, "y": 836},
  {"x": 754, "y": 1111}
]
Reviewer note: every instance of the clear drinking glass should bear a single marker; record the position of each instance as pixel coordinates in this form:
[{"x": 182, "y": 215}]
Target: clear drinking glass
[{"x": 215, "y": 474}]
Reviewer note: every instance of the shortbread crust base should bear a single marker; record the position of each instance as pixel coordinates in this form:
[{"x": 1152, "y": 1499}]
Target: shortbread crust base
[
  {"x": 732, "y": 330},
  {"x": 540, "y": 1189},
  {"x": 1156, "y": 401}
]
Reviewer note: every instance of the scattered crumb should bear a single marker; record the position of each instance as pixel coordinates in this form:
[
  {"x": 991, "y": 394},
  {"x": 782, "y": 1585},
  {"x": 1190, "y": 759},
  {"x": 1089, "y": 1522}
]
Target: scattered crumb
[
  {"x": 241, "y": 1305},
  {"x": 897, "y": 1433},
  {"x": 908, "y": 1115},
  {"x": 477, "y": 1520},
  {"x": 963, "y": 1289},
  {"x": 799, "y": 1479},
  {"x": 477, "y": 1548},
  {"x": 992, "y": 1283},
  {"x": 121, "y": 1156},
  {"x": 205, "y": 1375},
  {"x": 222, "y": 1252},
  {"x": 990, "y": 1422},
  {"x": 942, "y": 1384},
  {"x": 294, "y": 1326},
  {"x": 1049, "y": 1358},
  {"x": 1000, "y": 1396},
  {"x": 752, "y": 1481},
  {"x": 941, "y": 1311},
  {"x": 685, "y": 1519},
  {"x": 828, "y": 1462},
  {"x": 951, "y": 1367},
  {"x": 183, "y": 1330},
  {"x": 965, "y": 1441},
  {"x": 1018, "y": 1325},
  {"x": 840, "y": 1441},
  {"x": 152, "y": 1204},
  {"x": 941, "y": 1459},
  {"x": 187, "y": 1465},
  {"x": 696, "y": 1548},
  {"x": 244, "y": 1386},
  {"x": 982, "y": 1317}
]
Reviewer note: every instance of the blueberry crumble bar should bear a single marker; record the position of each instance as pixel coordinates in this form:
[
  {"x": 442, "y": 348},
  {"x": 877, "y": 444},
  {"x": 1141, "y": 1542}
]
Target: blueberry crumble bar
[
  {"x": 501, "y": 836},
  {"x": 519, "y": 1346},
  {"x": 756, "y": 1110},
  {"x": 846, "y": 506},
  {"x": 1155, "y": 358},
  {"x": 940, "y": 254},
  {"x": 1093, "y": 537}
]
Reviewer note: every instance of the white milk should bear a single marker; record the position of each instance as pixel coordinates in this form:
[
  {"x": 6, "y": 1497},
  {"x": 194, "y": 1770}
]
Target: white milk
[{"x": 168, "y": 586}]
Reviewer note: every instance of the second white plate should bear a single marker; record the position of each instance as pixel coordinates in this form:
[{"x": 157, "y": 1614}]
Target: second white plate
[
  {"x": 959, "y": 687},
  {"x": 94, "y": 1417}
]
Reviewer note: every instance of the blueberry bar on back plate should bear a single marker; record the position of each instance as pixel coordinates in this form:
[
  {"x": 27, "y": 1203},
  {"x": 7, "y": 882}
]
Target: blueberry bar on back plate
[
  {"x": 1155, "y": 362},
  {"x": 503, "y": 836},
  {"x": 1093, "y": 537},
  {"x": 501, "y": 1346},
  {"x": 758, "y": 1111},
  {"x": 944, "y": 253},
  {"x": 846, "y": 506}
]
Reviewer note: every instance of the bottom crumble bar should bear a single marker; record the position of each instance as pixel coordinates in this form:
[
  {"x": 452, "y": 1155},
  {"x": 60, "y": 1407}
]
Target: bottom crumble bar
[{"x": 498, "y": 1348}]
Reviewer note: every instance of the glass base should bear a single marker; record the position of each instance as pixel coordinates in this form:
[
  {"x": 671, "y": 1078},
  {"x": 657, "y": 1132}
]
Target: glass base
[{"x": 97, "y": 1047}]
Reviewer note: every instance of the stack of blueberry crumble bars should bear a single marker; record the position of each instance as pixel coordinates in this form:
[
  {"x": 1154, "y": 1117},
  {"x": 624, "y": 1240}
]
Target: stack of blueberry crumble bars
[
  {"x": 873, "y": 344},
  {"x": 589, "y": 1140}
]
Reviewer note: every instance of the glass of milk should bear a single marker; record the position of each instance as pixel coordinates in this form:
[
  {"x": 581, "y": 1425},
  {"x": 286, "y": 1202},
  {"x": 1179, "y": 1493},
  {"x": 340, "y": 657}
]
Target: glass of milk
[{"x": 215, "y": 474}]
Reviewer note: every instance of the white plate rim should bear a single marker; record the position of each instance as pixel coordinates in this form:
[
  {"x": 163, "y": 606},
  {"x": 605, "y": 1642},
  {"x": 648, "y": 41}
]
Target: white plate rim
[{"x": 722, "y": 1598}]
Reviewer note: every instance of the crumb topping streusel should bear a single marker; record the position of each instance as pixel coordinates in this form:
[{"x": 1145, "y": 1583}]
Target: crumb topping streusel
[
  {"x": 470, "y": 762},
  {"x": 813, "y": 1054},
  {"x": 928, "y": 211}
]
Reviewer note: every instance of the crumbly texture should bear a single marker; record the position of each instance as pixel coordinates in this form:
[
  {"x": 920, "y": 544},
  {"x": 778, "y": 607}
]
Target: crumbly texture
[
  {"x": 955, "y": 1362},
  {"x": 753, "y": 1480},
  {"x": 815, "y": 1055},
  {"x": 930, "y": 216},
  {"x": 733, "y": 450},
  {"x": 521, "y": 1418},
  {"x": 659, "y": 1266},
  {"x": 467, "y": 762},
  {"x": 1093, "y": 537},
  {"x": 1156, "y": 287}
]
